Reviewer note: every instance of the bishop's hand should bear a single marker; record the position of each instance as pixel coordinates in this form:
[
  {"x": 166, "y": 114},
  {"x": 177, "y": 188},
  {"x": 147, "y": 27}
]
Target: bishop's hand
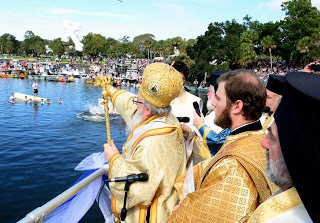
[{"x": 110, "y": 150}]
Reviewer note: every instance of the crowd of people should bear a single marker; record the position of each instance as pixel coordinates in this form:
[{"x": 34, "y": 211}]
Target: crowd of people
[{"x": 239, "y": 163}]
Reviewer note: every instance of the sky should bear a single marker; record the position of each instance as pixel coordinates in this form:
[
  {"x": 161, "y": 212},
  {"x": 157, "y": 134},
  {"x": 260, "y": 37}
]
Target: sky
[{"x": 117, "y": 18}]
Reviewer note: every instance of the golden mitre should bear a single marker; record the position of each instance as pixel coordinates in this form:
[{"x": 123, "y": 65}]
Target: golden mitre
[{"x": 161, "y": 84}]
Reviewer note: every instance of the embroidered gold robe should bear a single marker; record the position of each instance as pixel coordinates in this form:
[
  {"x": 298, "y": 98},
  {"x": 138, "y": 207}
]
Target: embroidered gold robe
[
  {"x": 282, "y": 207},
  {"x": 230, "y": 185},
  {"x": 155, "y": 147}
]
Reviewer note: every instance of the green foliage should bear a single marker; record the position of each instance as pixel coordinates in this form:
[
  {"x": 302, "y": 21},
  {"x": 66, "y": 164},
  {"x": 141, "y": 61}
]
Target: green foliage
[
  {"x": 8, "y": 43},
  {"x": 302, "y": 20},
  {"x": 57, "y": 46},
  {"x": 224, "y": 45},
  {"x": 247, "y": 54}
]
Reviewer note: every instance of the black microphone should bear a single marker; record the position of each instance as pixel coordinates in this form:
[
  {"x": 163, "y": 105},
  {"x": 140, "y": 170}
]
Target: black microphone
[
  {"x": 131, "y": 178},
  {"x": 196, "y": 108},
  {"x": 183, "y": 119},
  {"x": 266, "y": 109}
]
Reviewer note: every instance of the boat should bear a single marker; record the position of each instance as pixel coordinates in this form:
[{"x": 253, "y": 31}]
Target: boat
[
  {"x": 190, "y": 88},
  {"x": 6, "y": 76},
  {"x": 21, "y": 97},
  {"x": 202, "y": 89},
  {"x": 91, "y": 82}
]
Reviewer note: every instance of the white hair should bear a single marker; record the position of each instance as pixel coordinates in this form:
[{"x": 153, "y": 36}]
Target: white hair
[{"x": 156, "y": 110}]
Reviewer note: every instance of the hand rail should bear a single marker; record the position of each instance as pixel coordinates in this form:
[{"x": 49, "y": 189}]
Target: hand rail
[{"x": 39, "y": 213}]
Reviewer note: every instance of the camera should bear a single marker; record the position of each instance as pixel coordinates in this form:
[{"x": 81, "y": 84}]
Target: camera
[{"x": 315, "y": 67}]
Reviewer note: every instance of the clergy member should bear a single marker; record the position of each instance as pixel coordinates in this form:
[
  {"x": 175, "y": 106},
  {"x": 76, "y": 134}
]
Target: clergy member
[
  {"x": 293, "y": 155},
  {"x": 232, "y": 184},
  {"x": 155, "y": 146}
]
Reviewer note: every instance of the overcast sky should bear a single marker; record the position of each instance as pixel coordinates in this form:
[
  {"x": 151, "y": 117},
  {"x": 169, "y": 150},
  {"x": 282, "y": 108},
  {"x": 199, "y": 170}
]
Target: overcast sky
[{"x": 115, "y": 18}]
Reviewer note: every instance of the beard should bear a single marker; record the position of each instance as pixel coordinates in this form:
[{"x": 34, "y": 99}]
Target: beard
[
  {"x": 223, "y": 120},
  {"x": 277, "y": 171},
  {"x": 135, "y": 120},
  {"x": 209, "y": 106}
]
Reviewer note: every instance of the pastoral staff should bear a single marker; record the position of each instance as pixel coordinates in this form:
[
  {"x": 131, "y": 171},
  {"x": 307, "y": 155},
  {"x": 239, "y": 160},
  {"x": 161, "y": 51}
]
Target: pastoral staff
[{"x": 155, "y": 146}]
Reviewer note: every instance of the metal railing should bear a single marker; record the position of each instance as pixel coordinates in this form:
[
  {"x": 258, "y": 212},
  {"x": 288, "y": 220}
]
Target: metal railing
[{"x": 37, "y": 215}]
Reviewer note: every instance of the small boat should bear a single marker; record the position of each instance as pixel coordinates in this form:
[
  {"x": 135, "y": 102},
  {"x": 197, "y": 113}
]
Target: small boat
[
  {"x": 15, "y": 76},
  {"x": 6, "y": 76},
  {"x": 90, "y": 82}
]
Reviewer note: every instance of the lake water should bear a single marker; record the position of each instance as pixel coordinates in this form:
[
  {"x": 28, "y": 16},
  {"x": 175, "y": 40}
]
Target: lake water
[{"x": 42, "y": 144}]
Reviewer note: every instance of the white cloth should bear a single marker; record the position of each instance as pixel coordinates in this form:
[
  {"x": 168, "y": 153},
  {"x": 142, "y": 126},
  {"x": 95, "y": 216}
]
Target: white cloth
[{"x": 75, "y": 208}]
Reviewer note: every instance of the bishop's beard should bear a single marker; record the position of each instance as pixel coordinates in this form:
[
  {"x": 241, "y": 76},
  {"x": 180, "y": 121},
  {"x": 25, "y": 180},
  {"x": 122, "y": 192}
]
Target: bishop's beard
[{"x": 135, "y": 120}]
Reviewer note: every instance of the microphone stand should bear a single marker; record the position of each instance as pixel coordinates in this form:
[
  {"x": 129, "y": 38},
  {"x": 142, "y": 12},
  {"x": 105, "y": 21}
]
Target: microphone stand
[{"x": 124, "y": 209}]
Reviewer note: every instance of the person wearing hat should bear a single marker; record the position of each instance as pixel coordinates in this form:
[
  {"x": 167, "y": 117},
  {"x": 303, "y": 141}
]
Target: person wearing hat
[
  {"x": 231, "y": 185},
  {"x": 293, "y": 155},
  {"x": 213, "y": 135},
  {"x": 155, "y": 146},
  {"x": 274, "y": 95}
]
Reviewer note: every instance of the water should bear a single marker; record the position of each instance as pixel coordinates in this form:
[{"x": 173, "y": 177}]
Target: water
[{"x": 42, "y": 144}]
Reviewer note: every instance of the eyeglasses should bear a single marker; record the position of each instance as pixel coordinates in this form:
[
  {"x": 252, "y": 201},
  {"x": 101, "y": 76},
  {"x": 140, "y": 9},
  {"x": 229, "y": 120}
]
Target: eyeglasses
[{"x": 135, "y": 101}]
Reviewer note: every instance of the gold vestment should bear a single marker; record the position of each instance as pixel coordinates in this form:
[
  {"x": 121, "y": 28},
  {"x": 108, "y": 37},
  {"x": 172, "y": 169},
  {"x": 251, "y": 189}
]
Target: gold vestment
[
  {"x": 230, "y": 185},
  {"x": 154, "y": 147},
  {"x": 283, "y": 207}
]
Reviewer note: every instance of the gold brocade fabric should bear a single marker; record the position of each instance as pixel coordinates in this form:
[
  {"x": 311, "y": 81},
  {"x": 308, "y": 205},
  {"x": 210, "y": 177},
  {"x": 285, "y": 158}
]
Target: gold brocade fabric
[
  {"x": 276, "y": 205},
  {"x": 156, "y": 147},
  {"x": 161, "y": 83},
  {"x": 268, "y": 121},
  {"x": 230, "y": 185}
]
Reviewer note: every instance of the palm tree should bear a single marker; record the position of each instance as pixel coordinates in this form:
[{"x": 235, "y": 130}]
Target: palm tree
[
  {"x": 304, "y": 46},
  {"x": 268, "y": 43}
]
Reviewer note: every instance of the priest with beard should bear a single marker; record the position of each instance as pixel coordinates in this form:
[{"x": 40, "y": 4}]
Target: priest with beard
[
  {"x": 155, "y": 146},
  {"x": 213, "y": 136},
  {"x": 232, "y": 184}
]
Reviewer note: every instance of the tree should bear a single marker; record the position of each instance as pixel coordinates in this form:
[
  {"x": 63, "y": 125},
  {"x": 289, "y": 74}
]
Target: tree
[
  {"x": 268, "y": 43},
  {"x": 302, "y": 19},
  {"x": 141, "y": 39},
  {"x": 29, "y": 34},
  {"x": 94, "y": 45},
  {"x": 304, "y": 46},
  {"x": 57, "y": 46},
  {"x": 248, "y": 40},
  {"x": 39, "y": 47},
  {"x": 8, "y": 43},
  {"x": 247, "y": 54}
]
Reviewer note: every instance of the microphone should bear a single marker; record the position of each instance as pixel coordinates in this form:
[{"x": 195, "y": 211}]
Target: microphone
[
  {"x": 183, "y": 119},
  {"x": 266, "y": 109},
  {"x": 196, "y": 108},
  {"x": 142, "y": 177}
]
